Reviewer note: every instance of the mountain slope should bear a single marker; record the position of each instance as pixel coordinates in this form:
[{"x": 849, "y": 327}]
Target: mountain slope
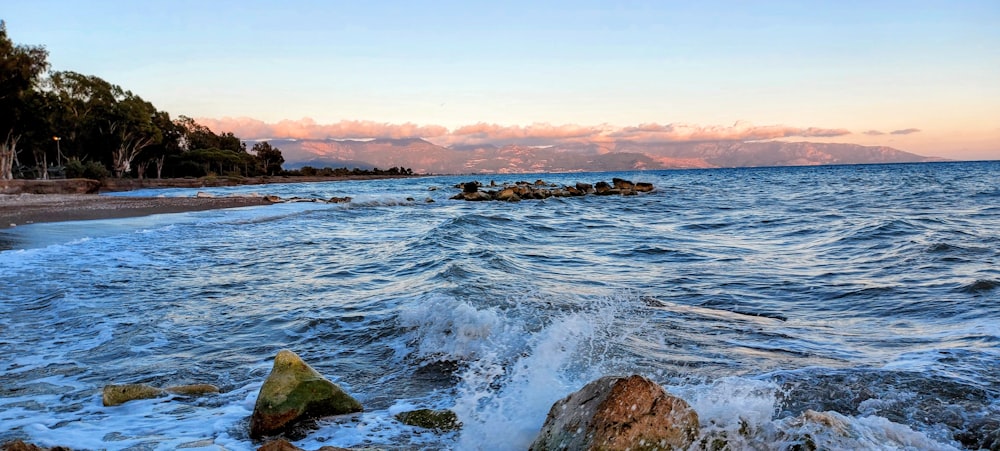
[{"x": 424, "y": 157}]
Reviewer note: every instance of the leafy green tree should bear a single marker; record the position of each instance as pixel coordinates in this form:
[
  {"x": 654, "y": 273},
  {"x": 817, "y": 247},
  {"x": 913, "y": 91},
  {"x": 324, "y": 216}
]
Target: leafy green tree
[
  {"x": 20, "y": 69},
  {"x": 268, "y": 157}
]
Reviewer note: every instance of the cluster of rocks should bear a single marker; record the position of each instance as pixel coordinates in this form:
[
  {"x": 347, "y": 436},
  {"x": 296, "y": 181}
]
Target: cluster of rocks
[
  {"x": 611, "y": 413},
  {"x": 542, "y": 190},
  {"x": 278, "y": 200}
]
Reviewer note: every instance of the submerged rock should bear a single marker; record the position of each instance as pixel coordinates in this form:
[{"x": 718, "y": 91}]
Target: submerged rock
[
  {"x": 618, "y": 413},
  {"x": 114, "y": 395},
  {"x": 439, "y": 420},
  {"x": 294, "y": 391},
  {"x": 192, "y": 390}
]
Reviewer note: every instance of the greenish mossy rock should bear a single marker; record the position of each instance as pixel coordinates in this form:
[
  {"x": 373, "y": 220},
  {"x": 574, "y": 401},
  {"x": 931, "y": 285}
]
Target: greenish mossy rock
[
  {"x": 114, "y": 395},
  {"x": 439, "y": 420},
  {"x": 193, "y": 389},
  {"x": 294, "y": 391}
]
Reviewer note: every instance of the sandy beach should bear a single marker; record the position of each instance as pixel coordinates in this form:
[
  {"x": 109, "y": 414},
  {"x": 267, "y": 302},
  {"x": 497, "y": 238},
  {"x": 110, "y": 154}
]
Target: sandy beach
[
  {"x": 22, "y": 209},
  {"x": 32, "y": 201}
]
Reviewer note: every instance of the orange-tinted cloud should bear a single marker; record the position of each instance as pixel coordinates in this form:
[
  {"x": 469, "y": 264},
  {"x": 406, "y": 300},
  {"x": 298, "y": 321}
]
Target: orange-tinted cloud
[{"x": 533, "y": 134}]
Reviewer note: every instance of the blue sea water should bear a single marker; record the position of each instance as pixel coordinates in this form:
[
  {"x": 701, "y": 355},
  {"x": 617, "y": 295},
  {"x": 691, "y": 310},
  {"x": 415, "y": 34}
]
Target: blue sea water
[{"x": 871, "y": 293}]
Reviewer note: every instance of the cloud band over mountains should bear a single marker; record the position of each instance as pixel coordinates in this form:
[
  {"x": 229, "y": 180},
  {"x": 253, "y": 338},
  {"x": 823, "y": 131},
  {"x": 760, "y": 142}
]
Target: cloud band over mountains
[{"x": 533, "y": 134}]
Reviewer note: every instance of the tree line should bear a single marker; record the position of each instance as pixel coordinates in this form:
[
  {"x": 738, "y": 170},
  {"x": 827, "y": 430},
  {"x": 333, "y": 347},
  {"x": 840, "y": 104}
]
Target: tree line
[{"x": 67, "y": 124}]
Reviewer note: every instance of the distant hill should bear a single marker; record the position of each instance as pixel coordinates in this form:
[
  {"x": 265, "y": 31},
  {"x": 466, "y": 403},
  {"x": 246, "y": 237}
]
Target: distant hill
[{"x": 424, "y": 157}]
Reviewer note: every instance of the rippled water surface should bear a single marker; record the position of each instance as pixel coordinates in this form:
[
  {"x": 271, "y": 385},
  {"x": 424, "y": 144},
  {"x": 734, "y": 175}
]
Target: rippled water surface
[{"x": 869, "y": 292}]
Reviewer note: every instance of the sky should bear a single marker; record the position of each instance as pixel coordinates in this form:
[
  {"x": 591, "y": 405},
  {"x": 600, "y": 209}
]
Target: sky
[{"x": 920, "y": 76}]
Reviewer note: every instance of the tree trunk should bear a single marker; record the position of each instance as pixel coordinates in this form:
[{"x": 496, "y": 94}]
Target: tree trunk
[
  {"x": 159, "y": 166},
  {"x": 8, "y": 156}
]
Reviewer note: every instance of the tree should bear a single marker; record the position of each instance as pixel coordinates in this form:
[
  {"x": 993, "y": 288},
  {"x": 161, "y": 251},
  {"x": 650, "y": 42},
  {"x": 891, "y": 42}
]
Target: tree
[
  {"x": 269, "y": 158},
  {"x": 20, "y": 68},
  {"x": 133, "y": 121}
]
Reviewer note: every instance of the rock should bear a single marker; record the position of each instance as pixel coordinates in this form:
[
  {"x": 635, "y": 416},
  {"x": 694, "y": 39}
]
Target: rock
[
  {"x": 602, "y": 188},
  {"x": 470, "y": 187},
  {"x": 622, "y": 184},
  {"x": 585, "y": 187},
  {"x": 643, "y": 187},
  {"x": 294, "y": 391},
  {"x": 193, "y": 389},
  {"x": 284, "y": 445},
  {"x": 114, "y": 395},
  {"x": 339, "y": 200},
  {"x": 508, "y": 195},
  {"x": 475, "y": 196},
  {"x": 18, "y": 445},
  {"x": 618, "y": 413},
  {"x": 439, "y": 420},
  {"x": 273, "y": 199},
  {"x": 204, "y": 195}
]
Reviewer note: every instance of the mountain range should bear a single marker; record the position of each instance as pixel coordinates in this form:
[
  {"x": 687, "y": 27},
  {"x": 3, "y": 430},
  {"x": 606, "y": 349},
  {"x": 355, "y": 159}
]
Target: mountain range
[{"x": 427, "y": 158}]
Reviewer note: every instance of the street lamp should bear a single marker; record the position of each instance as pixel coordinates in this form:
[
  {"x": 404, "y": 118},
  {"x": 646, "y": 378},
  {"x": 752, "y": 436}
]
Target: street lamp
[{"x": 58, "y": 151}]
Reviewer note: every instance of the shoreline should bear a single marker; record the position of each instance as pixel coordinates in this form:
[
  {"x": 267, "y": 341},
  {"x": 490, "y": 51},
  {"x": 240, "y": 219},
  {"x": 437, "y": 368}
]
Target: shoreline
[
  {"x": 27, "y": 209},
  {"x": 25, "y": 202}
]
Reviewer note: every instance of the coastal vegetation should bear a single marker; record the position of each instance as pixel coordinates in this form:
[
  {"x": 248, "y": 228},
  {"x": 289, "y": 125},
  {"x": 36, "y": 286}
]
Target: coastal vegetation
[{"x": 64, "y": 124}]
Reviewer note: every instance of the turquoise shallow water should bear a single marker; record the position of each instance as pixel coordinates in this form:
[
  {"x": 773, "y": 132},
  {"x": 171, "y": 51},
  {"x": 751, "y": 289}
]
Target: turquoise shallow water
[{"x": 869, "y": 291}]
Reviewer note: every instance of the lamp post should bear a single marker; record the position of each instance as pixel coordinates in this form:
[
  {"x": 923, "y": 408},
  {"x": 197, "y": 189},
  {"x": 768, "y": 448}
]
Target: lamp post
[{"x": 59, "y": 156}]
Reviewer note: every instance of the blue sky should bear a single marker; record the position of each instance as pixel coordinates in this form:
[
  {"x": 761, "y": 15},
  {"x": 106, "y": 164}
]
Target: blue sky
[{"x": 865, "y": 69}]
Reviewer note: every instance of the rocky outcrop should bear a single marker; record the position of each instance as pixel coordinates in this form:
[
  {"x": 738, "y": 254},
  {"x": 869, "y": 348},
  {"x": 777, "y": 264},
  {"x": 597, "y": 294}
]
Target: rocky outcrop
[
  {"x": 619, "y": 413},
  {"x": 113, "y": 395},
  {"x": 439, "y": 420},
  {"x": 293, "y": 392},
  {"x": 542, "y": 190}
]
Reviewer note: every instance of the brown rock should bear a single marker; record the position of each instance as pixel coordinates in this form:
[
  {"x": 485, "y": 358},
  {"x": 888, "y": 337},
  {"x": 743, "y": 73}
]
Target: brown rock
[
  {"x": 18, "y": 445},
  {"x": 643, "y": 187},
  {"x": 622, "y": 184},
  {"x": 294, "y": 391},
  {"x": 618, "y": 413},
  {"x": 192, "y": 389},
  {"x": 114, "y": 395},
  {"x": 284, "y": 445},
  {"x": 508, "y": 195},
  {"x": 602, "y": 188}
]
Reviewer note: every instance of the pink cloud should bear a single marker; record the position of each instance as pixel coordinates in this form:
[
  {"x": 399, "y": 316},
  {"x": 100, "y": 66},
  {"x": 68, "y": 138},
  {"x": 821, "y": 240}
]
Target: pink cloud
[
  {"x": 307, "y": 128},
  {"x": 905, "y": 131},
  {"x": 533, "y": 134}
]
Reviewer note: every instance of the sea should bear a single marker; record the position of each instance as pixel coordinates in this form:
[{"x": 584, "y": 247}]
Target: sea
[{"x": 868, "y": 295}]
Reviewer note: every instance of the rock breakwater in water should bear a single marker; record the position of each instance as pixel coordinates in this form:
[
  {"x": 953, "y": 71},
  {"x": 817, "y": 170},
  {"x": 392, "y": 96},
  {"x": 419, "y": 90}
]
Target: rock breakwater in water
[{"x": 540, "y": 189}]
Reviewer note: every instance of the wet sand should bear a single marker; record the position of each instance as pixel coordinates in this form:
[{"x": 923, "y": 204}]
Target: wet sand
[{"x": 21, "y": 209}]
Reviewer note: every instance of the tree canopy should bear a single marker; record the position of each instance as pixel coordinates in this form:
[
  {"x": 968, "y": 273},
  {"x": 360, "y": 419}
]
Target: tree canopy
[{"x": 72, "y": 124}]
